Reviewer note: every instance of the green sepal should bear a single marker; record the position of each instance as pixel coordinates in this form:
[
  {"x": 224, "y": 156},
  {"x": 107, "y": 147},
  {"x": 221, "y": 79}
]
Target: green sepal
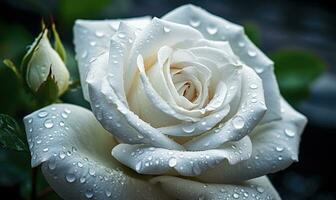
[{"x": 58, "y": 46}]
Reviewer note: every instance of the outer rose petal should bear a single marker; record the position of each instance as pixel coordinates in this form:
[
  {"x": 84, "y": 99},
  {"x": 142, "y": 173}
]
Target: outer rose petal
[
  {"x": 92, "y": 38},
  {"x": 178, "y": 188},
  {"x": 74, "y": 151},
  {"x": 216, "y": 28},
  {"x": 148, "y": 160},
  {"x": 275, "y": 146}
]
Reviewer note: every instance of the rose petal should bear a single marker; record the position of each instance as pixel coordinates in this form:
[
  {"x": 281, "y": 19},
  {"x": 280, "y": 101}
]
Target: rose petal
[
  {"x": 74, "y": 151},
  {"x": 215, "y": 28},
  {"x": 275, "y": 147},
  {"x": 148, "y": 160},
  {"x": 250, "y": 111},
  {"x": 157, "y": 34},
  {"x": 179, "y": 188},
  {"x": 92, "y": 38}
]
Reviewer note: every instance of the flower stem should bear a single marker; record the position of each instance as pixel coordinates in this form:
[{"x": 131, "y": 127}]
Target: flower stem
[{"x": 33, "y": 182}]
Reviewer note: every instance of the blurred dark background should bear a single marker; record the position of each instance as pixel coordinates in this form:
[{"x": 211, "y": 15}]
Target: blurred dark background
[{"x": 307, "y": 26}]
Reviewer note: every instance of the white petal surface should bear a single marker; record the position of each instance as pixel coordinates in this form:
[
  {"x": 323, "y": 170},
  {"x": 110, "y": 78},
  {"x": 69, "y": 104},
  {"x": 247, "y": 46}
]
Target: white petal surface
[
  {"x": 216, "y": 28},
  {"x": 74, "y": 151},
  {"x": 92, "y": 38},
  {"x": 275, "y": 147},
  {"x": 157, "y": 34},
  {"x": 250, "y": 111},
  {"x": 183, "y": 189},
  {"x": 148, "y": 160}
]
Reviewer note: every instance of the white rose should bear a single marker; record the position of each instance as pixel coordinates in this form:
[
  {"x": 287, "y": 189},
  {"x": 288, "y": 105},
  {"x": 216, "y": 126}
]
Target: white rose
[{"x": 191, "y": 105}]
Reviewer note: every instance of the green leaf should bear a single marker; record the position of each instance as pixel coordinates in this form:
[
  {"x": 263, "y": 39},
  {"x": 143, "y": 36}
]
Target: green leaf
[
  {"x": 252, "y": 30},
  {"x": 11, "y": 136},
  {"x": 58, "y": 46},
  {"x": 48, "y": 91},
  {"x": 296, "y": 70},
  {"x": 8, "y": 63}
]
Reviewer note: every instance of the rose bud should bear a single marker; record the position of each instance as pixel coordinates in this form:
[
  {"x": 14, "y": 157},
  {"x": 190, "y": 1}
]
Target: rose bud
[{"x": 43, "y": 63}]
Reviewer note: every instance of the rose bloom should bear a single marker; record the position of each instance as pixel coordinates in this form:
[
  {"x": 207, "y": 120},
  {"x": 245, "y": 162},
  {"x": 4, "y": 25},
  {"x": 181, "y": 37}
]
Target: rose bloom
[{"x": 187, "y": 105}]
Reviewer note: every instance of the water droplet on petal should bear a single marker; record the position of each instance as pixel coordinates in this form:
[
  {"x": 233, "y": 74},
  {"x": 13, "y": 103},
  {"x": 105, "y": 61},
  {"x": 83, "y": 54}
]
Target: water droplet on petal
[
  {"x": 251, "y": 53},
  {"x": 84, "y": 54},
  {"x": 279, "y": 149},
  {"x": 64, "y": 115},
  {"x": 253, "y": 86},
  {"x": 45, "y": 149},
  {"x": 172, "y": 162},
  {"x": 48, "y": 123},
  {"x": 289, "y": 132},
  {"x": 92, "y": 172},
  {"x": 241, "y": 44},
  {"x": 188, "y": 129},
  {"x": 238, "y": 122},
  {"x": 62, "y": 155},
  {"x": 108, "y": 193},
  {"x": 42, "y": 114},
  {"x": 166, "y": 29},
  {"x": 212, "y": 30},
  {"x": 138, "y": 166},
  {"x": 235, "y": 195},
  {"x": 88, "y": 194},
  {"x": 121, "y": 35},
  {"x": 194, "y": 22},
  {"x": 260, "y": 189},
  {"x": 99, "y": 34},
  {"x": 30, "y": 120},
  {"x": 93, "y": 43},
  {"x": 79, "y": 164},
  {"x": 70, "y": 178},
  {"x": 82, "y": 180}
]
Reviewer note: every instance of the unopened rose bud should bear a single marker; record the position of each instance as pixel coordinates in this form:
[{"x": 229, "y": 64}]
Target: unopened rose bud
[{"x": 45, "y": 61}]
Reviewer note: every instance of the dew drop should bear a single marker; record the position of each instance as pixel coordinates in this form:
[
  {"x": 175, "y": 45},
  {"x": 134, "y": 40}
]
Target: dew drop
[
  {"x": 79, "y": 164},
  {"x": 259, "y": 70},
  {"x": 166, "y": 29},
  {"x": 82, "y": 180},
  {"x": 92, "y": 172},
  {"x": 188, "y": 129},
  {"x": 67, "y": 110},
  {"x": 93, "y": 43},
  {"x": 30, "y": 120},
  {"x": 108, "y": 193},
  {"x": 241, "y": 44},
  {"x": 61, "y": 123},
  {"x": 99, "y": 34},
  {"x": 70, "y": 178},
  {"x": 289, "y": 132},
  {"x": 252, "y": 53},
  {"x": 64, "y": 115},
  {"x": 84, "y": 54},
  {"x": 61, "y": 155},
  {"x": 88, "y": 194},
  {"x": 253, "y": 86},
  {"x": 172, "y": 162},
  {"x": 51, "y": 164},
  {"x": 138, "y": 166},
  {"x": 238, "y": 122},
  {"x": 212, "y": 30},
  {"x": 45, "y": 149},
  {"x": 194, "y": 22},
  {"x": 235, "y": 195},
  {"x": 121, "y": 35},
  {"x": 260, "y": 189},
  {"x": 42, "y": 114},
  {"x": 48, "y": 123},
  {"x": 279, "y": 149}
]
